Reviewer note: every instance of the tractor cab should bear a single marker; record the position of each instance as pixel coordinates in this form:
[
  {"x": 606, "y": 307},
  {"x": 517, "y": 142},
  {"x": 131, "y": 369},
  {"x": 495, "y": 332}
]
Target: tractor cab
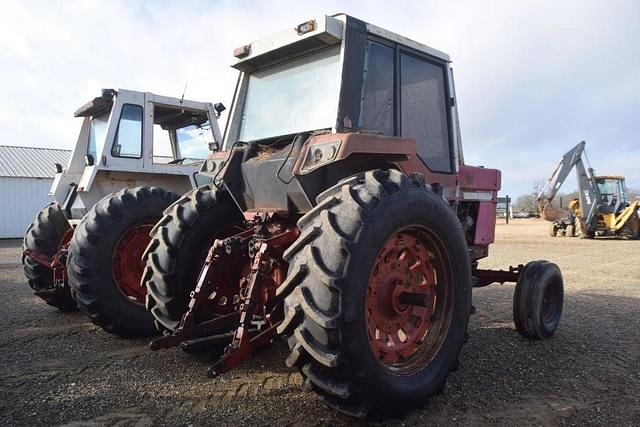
[
  {"x": 129, "y": 139},
  {"x": 613, "y": 193},
  {"x": 329, "y": 95}
]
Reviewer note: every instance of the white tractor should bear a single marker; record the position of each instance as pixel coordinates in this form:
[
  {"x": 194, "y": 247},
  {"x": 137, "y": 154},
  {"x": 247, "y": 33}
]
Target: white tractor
[{"x": 136, "y": 153}]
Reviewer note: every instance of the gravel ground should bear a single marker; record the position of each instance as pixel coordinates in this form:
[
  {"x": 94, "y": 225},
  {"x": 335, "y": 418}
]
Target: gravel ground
[{"x": 58, "y": 368}]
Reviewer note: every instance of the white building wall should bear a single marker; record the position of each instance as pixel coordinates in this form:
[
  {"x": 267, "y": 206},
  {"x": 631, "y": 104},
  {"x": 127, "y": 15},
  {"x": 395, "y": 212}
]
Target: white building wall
[{"x": 20, "y": 200}]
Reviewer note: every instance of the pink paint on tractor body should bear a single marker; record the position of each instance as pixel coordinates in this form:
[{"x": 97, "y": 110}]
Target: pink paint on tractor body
[{"x": 481, "y": 185}]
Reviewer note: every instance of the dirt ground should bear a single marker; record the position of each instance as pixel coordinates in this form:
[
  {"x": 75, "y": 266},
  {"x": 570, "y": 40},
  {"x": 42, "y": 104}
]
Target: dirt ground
[{"x": 58, "y": 368}]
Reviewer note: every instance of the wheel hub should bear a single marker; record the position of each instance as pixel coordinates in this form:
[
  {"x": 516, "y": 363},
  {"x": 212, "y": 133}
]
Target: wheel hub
[
  {"x": 400, "y": 298},
  {"x": 127, "y": 261}
]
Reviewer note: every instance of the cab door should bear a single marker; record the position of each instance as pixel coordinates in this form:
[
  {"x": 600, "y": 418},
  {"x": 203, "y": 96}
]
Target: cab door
[
  {"x": 406, "y": 93},
  {"x": 424, "y": 109},
  {"x": 124, "y": 142}
]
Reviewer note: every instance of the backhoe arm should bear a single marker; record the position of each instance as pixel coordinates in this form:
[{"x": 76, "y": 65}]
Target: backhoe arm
[
  {"x": 587, "y": 187},
  {"x": 560, "y": 173}
]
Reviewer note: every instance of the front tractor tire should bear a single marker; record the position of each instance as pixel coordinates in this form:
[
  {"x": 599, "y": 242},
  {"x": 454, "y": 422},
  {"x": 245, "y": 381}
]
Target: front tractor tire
[
  {"x": 538, "y": 300},
  {"x": 48, "y": 232},
  {"x": 378, "y": 294},
  {"x": 179, "y": 244},
  {"x": 105, "y": 259}
]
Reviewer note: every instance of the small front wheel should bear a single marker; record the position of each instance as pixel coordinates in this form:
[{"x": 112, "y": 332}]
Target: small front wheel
[{"x": 538, "y": 300}]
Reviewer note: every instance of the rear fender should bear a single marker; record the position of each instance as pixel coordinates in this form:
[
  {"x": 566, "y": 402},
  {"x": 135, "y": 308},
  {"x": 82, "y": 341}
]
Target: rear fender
[
  {"x": 359, "y": 152},
  {"x": 349, "y": 144},
  {"x": 104, "y": 182}
]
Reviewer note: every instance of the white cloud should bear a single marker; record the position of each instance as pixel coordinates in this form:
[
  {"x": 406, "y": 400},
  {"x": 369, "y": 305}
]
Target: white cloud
[{"x": 532, "y": 78}]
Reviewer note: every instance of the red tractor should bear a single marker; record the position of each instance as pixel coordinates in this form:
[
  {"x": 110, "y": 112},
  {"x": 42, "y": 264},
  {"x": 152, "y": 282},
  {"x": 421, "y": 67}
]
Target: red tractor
[{"x": 343, "y": 217}]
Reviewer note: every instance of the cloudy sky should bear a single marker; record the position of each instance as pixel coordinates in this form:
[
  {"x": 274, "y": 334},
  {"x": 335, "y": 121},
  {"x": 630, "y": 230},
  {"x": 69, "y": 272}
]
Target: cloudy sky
[{"x": 533, "y": 78}]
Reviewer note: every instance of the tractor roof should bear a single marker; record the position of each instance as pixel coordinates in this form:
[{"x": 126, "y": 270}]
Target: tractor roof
[
  {"x": 97, "y": 106},
  {"x": 103, "y": 104},
  {"x": 617, "y": 177},
  {"x": 310, "y": 35}
]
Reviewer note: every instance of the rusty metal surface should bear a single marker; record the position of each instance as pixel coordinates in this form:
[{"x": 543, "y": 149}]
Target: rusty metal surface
[
  {"x": 56, "y": 263},
  {"x": 401, "y": 300},
  {"x": 254, "y": 310},
  {"x": 360, "y": 143}
]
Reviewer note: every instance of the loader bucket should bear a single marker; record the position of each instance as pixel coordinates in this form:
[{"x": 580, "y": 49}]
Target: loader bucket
[{"x": 552, "y": 213}]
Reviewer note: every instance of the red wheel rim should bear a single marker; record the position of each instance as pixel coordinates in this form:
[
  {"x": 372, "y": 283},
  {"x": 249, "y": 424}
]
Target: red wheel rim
[
  {"x": 127, "y": 262},
  {"x": 406, "y": 308}
]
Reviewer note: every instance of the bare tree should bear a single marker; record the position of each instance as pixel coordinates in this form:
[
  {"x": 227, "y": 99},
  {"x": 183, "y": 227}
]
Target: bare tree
[
  {"x": 537, "y": 186},
  {"x": 525, "y": 203}
]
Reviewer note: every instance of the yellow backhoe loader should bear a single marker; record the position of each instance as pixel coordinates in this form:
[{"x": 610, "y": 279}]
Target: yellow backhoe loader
[{"x": 602, "y": 208}]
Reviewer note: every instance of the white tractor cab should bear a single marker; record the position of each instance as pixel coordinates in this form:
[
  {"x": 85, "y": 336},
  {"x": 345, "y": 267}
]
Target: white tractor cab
[
  {"x": 136, "y": 153},
  {"x": 130, "y": 139}
]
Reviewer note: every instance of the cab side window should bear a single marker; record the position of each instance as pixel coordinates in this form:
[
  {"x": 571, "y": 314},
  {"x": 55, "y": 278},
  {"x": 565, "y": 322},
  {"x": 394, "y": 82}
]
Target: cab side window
[
  {"x": 376, "y": 111},
  {"x": 423, "y": 110},
  {"x": 128, "y": 140}
]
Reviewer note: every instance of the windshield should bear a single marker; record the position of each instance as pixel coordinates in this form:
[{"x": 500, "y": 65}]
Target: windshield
[
  {"x": 297, "y": 96},
  {"x": 608, "y": 186},
  {"x": 611, "y": 190},
  {"x": 193, "y": 141},
  {"x": 97, "y": 131}
]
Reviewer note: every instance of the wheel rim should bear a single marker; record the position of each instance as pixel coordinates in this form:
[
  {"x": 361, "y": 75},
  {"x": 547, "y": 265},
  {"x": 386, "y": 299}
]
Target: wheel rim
[
  {"x": 127, "y": 262},
  {"x": 408, "y": 307}
]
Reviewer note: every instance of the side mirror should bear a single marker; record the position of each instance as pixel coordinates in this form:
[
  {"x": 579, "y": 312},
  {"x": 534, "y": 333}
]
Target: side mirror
[
  {"x": 213, "y": 146},
  {"x": 89, "y": 160},
  {"x": 108, "y": 94},
  {"x": 58, "y": 167},
  {"x": 219, "y": 107}
]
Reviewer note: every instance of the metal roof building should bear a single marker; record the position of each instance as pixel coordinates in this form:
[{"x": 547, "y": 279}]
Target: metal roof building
[
  {"x": 26, "y": 174},
  {"x": 30, "y": 162}
]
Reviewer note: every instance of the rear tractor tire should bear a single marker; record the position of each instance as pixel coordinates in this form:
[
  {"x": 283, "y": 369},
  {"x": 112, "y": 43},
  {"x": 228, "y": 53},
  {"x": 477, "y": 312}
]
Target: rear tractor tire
[
  {"x": 630, "y": 230},
  {"x": 46, "y": 234},
  {"x": 538, "y": 300},
  {"x": 378, "y": 294},
  {"x": 105, "y": 259},
  {"x": 179, "y": 244}
]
